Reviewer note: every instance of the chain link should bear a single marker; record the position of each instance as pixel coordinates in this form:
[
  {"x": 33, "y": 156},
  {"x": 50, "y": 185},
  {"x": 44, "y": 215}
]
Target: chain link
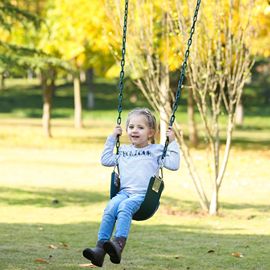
[
  {"x": 182, "y": 77},
  {"x": 122, "y": 74}
]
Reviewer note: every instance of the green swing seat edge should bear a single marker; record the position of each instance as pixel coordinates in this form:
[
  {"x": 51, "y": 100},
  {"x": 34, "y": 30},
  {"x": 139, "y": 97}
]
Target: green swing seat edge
[
  {"x": 151, "y": 201},
  {"x": 114, "y": 188}
]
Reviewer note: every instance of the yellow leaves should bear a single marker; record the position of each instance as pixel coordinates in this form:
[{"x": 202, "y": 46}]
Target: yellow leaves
[
  {"x": 172, "y": 54},
  {"x": 113, "y": 71},
  {"x": 83, "y": 29},
  {"x": 260, "y": 22},
  {"x": 233, "y": 18},
  {"x": 76, "y": 30},
  {"x": 72, "y": 51},
  {"x": 5, "y": 35}
]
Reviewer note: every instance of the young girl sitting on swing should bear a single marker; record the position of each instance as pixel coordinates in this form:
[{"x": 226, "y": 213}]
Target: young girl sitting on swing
[{"x": 137, "y": 162}]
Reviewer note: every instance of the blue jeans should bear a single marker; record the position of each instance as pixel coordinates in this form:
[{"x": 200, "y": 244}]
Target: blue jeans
[{"x": 121, "y": 208}]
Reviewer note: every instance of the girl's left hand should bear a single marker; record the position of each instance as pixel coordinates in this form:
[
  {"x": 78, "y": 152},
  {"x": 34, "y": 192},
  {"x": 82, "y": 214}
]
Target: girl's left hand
[
  {"x": 117, "y": 131},
  {"x": 170, "y": 134}
]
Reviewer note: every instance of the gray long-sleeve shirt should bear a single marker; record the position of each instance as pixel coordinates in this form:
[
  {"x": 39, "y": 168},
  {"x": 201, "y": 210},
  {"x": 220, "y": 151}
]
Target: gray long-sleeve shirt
[{"x": 138, "y": 165}]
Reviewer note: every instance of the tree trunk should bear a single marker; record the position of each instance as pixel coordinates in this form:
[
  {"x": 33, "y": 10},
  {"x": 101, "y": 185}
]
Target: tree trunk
[
  {"x": 239, "y": 114},
  {"x": 77, "y": 102},
  {"x": 193, "y": 134},
  {"x": 89, "y": 82},
  {"x": 2, "y": 83},
  {"x": 192, "y": 169},
  {"x": 29, "y": 74},
  {"x": 46, "y": 118},
  {"x": 165, "y": 107},
  {"x": 47, "y": 82},
  {"x": 47, "y": 104},
  {"x": 213, "y": 208},
  {"x": 82, "y": 76}
]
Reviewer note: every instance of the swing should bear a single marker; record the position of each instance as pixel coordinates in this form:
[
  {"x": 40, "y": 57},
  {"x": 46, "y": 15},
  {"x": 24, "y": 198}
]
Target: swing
[{"x": 156, "y": 184}]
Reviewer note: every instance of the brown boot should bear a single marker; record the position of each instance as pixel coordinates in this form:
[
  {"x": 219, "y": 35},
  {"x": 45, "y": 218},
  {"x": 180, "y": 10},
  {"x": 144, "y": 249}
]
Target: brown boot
[
  {"x": 114, "y": 248},
  {"x": 95, "y": 255}
]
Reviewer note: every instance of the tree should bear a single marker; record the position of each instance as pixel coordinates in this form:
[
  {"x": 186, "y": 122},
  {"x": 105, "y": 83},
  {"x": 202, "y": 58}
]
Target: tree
[
  {"x": 219, "y": 66},
  {"x": 20, "y": 47},
  {"x": 11, "y": 54},
  {"x": 78, "y": 40},
  {"x": 217, "y": 77}
]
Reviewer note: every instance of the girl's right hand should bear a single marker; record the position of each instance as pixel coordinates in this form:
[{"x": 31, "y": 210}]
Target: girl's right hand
[
  {"x": 170, "y": 134},
  {"x": 117, "y": 131}
]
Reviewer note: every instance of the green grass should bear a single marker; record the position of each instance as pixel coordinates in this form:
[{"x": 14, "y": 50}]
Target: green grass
[
  {"x": 22, "y": 99},
  {"x": 37, "y": 172},
  {"x": 53, "y": 192}
]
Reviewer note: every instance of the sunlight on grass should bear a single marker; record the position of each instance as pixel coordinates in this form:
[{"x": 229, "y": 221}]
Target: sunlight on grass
[{"x": 53, "y": 191}]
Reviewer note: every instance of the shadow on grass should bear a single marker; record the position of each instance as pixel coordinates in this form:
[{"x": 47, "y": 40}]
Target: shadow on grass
[
  {"x": 253, "y": 127},
  {"x": 49, "y": 197},
  {"x": 259, "y": 207},
  {"x": 61, "y": 198},
  {"x": 28, "y": 99},
  {"x": 158, "y": 247},
  {"x": 251, "y": 144},
  {"x": 174, "y": 206},
  {"x": 177, "y": 207}
]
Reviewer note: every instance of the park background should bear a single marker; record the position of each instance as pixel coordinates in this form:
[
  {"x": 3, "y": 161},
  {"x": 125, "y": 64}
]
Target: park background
[{"x": 59, "y": 64}]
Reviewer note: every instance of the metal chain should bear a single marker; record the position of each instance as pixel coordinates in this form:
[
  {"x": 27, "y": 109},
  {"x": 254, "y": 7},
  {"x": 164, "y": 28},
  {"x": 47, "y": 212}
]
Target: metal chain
[
  {"x": 181, "y": 79},
  {"x": 122, "y": 73},
  {"x": 180, "y": 82}
]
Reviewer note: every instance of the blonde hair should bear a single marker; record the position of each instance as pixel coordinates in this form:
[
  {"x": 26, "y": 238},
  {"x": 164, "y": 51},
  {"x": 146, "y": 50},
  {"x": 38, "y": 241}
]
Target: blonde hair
[{"x": 150, "y": 118}]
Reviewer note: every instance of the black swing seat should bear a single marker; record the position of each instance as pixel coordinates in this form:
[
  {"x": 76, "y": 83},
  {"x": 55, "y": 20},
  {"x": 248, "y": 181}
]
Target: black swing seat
[{"x": 151, "y": 201}]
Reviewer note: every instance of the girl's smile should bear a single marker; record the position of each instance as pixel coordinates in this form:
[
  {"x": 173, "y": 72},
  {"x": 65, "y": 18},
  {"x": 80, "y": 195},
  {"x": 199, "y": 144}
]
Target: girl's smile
[{"x": 138, "y": 131}]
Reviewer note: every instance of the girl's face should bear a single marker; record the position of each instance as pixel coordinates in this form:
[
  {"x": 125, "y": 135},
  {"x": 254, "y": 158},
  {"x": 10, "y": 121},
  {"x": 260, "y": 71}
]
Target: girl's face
[{"x": 139, "y": 131}]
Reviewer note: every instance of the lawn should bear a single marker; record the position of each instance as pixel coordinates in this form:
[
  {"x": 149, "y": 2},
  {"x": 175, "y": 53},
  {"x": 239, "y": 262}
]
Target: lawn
[{"x": 53, "y": 192}]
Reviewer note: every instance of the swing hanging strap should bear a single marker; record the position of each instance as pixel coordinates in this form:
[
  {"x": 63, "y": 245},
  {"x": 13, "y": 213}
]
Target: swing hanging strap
[{"x": 181, "y": 80}]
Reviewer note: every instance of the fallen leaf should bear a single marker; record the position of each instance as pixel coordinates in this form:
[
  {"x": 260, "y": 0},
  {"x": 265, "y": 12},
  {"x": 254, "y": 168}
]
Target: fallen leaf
[
  {"x": 40, "y": 260},
  {"x": 237, "y": 255},
  {"x": 52, "y": 247},
  {"x": 65, "y": 245},
  {"x": 87, "y": 265}
]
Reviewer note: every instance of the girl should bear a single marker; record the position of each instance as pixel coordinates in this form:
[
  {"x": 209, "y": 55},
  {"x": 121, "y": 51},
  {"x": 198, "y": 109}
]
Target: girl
[{"x": 138, "y": 162}]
